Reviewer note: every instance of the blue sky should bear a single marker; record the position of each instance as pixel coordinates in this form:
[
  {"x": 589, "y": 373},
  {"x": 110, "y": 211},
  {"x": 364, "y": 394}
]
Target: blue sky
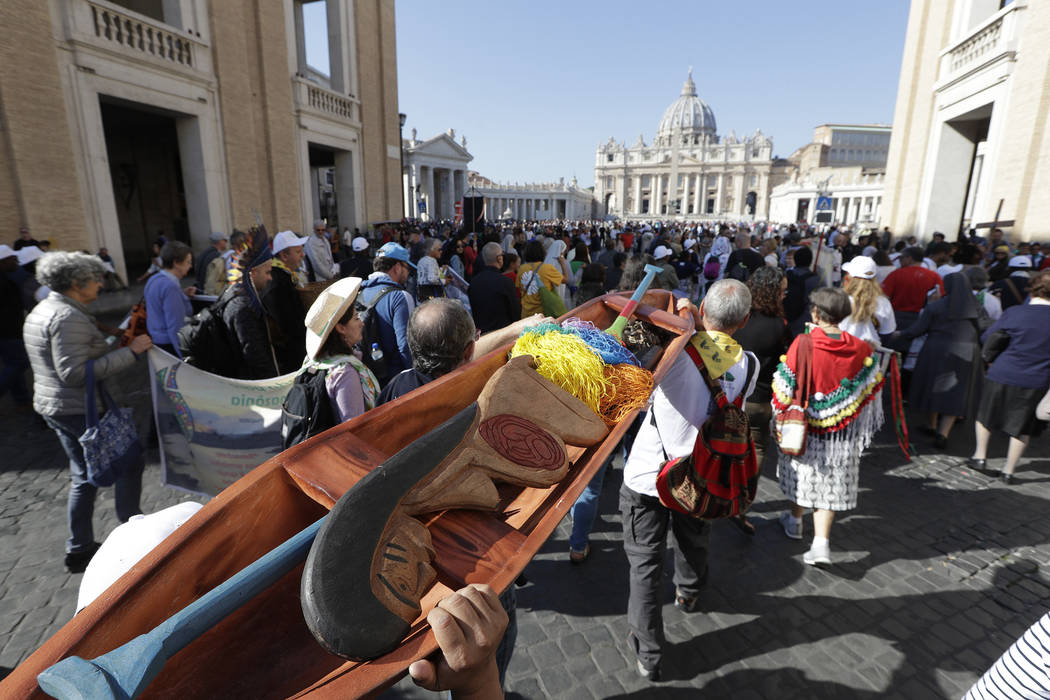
[{"x": 536, "y": 86}]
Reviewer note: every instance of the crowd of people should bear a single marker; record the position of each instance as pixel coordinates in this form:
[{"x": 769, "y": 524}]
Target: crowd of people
[{"x": 795, "y": 315}]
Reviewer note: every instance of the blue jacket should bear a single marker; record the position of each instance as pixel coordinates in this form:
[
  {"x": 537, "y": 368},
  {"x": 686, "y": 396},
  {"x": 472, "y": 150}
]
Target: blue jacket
[
  {"x": 167, "y": 307},
  {"x": 393, "y": 311}
]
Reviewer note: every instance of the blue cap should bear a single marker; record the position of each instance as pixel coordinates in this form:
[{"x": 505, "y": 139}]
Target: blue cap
[{"x": 395, "y": 251}]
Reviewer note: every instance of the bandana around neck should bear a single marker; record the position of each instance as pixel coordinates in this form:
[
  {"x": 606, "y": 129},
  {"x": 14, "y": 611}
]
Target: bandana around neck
[
  {"x": 297, "y": 278},
  {"x": 718, "y": 350}
]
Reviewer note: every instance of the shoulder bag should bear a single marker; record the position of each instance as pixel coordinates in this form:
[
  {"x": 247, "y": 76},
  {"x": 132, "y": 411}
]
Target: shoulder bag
[
  {"x": 552, "y": 304},
  {"x": 111, "y": 443},
  {"x": 792, "y": 424}
]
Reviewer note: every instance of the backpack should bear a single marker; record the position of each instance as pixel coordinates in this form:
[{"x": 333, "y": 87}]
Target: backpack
[
  {"x": 306, "y": 410},
  {"x": 712, "y": 267},
  {"x": 795, "y": 300},
  {"x": 370, "y": 334},
  {"x": 720, "y": 478},
  {"x": 205, "y": 342}
]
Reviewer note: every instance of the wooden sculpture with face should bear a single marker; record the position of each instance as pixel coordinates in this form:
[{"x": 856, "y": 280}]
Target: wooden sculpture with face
[{"x": 370, "y": 564}]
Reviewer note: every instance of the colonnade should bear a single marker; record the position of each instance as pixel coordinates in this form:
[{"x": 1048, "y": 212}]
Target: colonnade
[{"x": 431, "y": 192}]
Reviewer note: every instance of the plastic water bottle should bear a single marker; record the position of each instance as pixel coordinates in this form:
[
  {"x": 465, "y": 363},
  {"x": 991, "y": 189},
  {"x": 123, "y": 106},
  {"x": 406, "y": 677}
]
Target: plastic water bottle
[{"x": 377, "y": 352}]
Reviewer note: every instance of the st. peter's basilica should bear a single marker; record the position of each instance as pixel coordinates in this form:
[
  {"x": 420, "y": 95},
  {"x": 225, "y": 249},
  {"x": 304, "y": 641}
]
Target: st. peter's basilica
[{"x": 688, "y": 171}]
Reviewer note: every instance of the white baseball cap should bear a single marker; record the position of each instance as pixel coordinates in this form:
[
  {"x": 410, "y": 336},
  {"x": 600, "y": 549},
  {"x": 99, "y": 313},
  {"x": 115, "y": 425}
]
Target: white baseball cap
[
  {"x": 358, "y": 244},
  {"x": 661, "y": 252},
  {"x": 7, "y": 251},
  {"x": 287, "y": 239},
  {"x": 1020, "y": 261},
  {"x": 861, "y": 266}
]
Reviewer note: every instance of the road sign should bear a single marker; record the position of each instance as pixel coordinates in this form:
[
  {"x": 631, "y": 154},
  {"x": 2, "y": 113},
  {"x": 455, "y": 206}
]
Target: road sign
[
  {"x": 822, "y": 217},
  {"x": 823, "y": 203}
]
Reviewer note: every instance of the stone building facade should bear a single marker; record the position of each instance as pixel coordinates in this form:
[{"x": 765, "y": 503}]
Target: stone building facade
[
  {"x": 126, "y": 119},
  {"x": 846, "y": 162},
  {"x": 435, "y": 175},
  {"x": 971, "y": 134},
  {"x": 537, "y": 201},
  {"x": 688, "y": 171}
]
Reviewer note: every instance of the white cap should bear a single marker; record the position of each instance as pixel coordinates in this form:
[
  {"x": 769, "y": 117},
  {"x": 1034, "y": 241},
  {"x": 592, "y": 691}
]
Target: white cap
[
  {"x": 661, "y": 252},
  {"x": 688, "y": 243},
  {"x": 861, "y": 266},
  {"x": 1021, "y": 261},
  {"x": 29, "y": 254},
  {"x": 7, "y": 251},
  {"x": 126, "y": 545},
  {"x": 327, "y": 309},
  {"x": 358, "y": 244},
  {"x": 287, "y": 239}
]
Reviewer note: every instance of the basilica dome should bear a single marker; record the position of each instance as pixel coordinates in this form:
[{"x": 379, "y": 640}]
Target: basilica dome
[{"x": 688, "y": 114}]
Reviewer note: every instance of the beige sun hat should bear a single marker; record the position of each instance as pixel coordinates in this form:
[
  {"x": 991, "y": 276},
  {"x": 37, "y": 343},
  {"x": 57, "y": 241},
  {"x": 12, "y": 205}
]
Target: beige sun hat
[{"x": 326, "y": 311}]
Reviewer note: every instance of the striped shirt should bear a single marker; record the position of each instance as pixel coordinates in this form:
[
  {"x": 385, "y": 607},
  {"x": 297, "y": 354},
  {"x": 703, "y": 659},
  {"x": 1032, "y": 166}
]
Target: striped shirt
[{"x": 1022, "y": 672}]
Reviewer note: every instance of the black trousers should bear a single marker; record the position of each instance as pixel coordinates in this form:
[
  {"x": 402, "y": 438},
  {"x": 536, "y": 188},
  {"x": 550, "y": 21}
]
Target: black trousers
[{"x": 645, "y": 524}]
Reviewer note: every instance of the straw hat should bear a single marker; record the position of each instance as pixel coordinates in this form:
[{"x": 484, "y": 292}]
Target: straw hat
[{"x": 326, "y": 311}]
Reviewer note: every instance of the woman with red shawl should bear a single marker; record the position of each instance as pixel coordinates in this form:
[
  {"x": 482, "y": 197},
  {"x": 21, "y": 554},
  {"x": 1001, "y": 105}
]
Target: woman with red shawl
[{"x": 843, "y": 413}]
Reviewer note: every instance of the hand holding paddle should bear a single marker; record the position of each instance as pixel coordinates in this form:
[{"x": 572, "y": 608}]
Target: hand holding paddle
[{"x": 468, "y": 626}]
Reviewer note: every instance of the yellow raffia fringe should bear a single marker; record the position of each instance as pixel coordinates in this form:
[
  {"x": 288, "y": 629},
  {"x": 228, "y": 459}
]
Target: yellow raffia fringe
[
  {"x": 568, "y": 362},
  {"x": 629, "y": 388}
]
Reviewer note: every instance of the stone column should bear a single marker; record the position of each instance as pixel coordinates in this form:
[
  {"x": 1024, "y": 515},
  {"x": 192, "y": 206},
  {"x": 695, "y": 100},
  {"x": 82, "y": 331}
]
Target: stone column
[
  {"x": 637, "y": 195},
  {"x": 656, "y": 196},
  {"x": 720, "y": 197},
  {"x": 738, "y": 193},
  {"x": 431, "y": 198},
  {"x": 698, "y": 199},
  {"x": 450, "y": 195}
]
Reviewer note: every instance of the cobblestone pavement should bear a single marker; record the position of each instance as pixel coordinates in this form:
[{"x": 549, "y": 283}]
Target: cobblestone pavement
[{"x": 935, "y": 574}]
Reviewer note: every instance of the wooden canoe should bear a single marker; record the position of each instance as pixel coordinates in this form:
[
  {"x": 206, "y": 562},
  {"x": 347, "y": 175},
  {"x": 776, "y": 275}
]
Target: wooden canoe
[{"x": 265, "y": 649}]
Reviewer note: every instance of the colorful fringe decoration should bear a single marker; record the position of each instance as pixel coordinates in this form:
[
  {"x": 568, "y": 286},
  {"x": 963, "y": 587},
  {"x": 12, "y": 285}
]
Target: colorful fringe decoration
[
  {"x": 606, "y": 345},
  {"x": 900, "y": 424},
  {"x": 567, "y": 361},
  {"x": 630, "y": 388},
  {"x": 590, "y": 364}
]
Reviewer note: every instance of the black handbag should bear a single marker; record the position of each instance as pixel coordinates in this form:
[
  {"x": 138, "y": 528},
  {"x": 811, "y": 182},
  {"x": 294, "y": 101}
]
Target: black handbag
[{"x": 994, "y": 346}]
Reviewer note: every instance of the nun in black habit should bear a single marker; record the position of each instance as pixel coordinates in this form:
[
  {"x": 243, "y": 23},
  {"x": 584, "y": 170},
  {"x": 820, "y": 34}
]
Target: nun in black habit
[{"x": 946, "y": 380}]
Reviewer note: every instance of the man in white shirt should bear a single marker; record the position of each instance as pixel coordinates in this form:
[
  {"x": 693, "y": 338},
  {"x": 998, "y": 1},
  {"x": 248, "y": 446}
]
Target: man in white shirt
[
  {"x": 319, "y": 254},
  {"x": 681, "y": 404}
]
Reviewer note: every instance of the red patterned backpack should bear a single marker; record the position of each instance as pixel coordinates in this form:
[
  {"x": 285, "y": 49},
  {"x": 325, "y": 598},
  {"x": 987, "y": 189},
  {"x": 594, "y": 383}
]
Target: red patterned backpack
[{"x": 720, "y": 478}]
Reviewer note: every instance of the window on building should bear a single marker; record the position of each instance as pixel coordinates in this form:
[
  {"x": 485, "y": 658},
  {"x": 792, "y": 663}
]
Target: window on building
[
  {"x": 754, "y": 179},
  {"x": 646, "y": 181},
  {"x": 645, "y": 206},
  {"x": 609, "y": 157},
  {"x": 609, "y": 182},
  {"x": 681, "y": 180},
  {"x": 710, "y": 206}
]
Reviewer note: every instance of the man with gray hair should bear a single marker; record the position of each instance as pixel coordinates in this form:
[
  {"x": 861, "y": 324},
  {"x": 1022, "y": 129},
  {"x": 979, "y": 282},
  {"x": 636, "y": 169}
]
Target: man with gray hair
[
  {"x": 680, "y": 405},
  {"x": 319, "y": 254},
  {"x": 494, "y": 301},
  {"x": 442, "y": 338}
]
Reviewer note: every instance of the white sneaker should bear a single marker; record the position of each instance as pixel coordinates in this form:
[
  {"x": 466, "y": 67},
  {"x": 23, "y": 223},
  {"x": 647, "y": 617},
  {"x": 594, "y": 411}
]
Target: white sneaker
[
  {"x": 817, "y": 555},
  {"x": 792, "y": 526}
]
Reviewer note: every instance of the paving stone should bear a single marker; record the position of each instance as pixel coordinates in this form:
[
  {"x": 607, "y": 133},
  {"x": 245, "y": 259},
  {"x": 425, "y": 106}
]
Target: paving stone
[{"x": 940, "y": 572}]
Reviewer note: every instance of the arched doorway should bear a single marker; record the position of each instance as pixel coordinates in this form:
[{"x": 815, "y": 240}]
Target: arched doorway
[
  {"x": 610, "y": 202},
  {"x": 750, "y": 202}
]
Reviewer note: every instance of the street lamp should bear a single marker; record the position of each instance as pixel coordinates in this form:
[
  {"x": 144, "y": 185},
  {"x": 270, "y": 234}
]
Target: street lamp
[{"x": 401, "y": 118}]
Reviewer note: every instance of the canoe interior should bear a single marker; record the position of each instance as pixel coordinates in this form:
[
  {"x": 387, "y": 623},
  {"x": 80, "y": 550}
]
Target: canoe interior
[{"x": 265, "y": 649}]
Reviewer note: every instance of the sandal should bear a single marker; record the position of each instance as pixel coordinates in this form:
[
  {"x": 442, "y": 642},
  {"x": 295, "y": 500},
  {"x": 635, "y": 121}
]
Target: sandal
[
  {"x": 743, "y": 524},
  {"x": 576, "y": 557}
]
